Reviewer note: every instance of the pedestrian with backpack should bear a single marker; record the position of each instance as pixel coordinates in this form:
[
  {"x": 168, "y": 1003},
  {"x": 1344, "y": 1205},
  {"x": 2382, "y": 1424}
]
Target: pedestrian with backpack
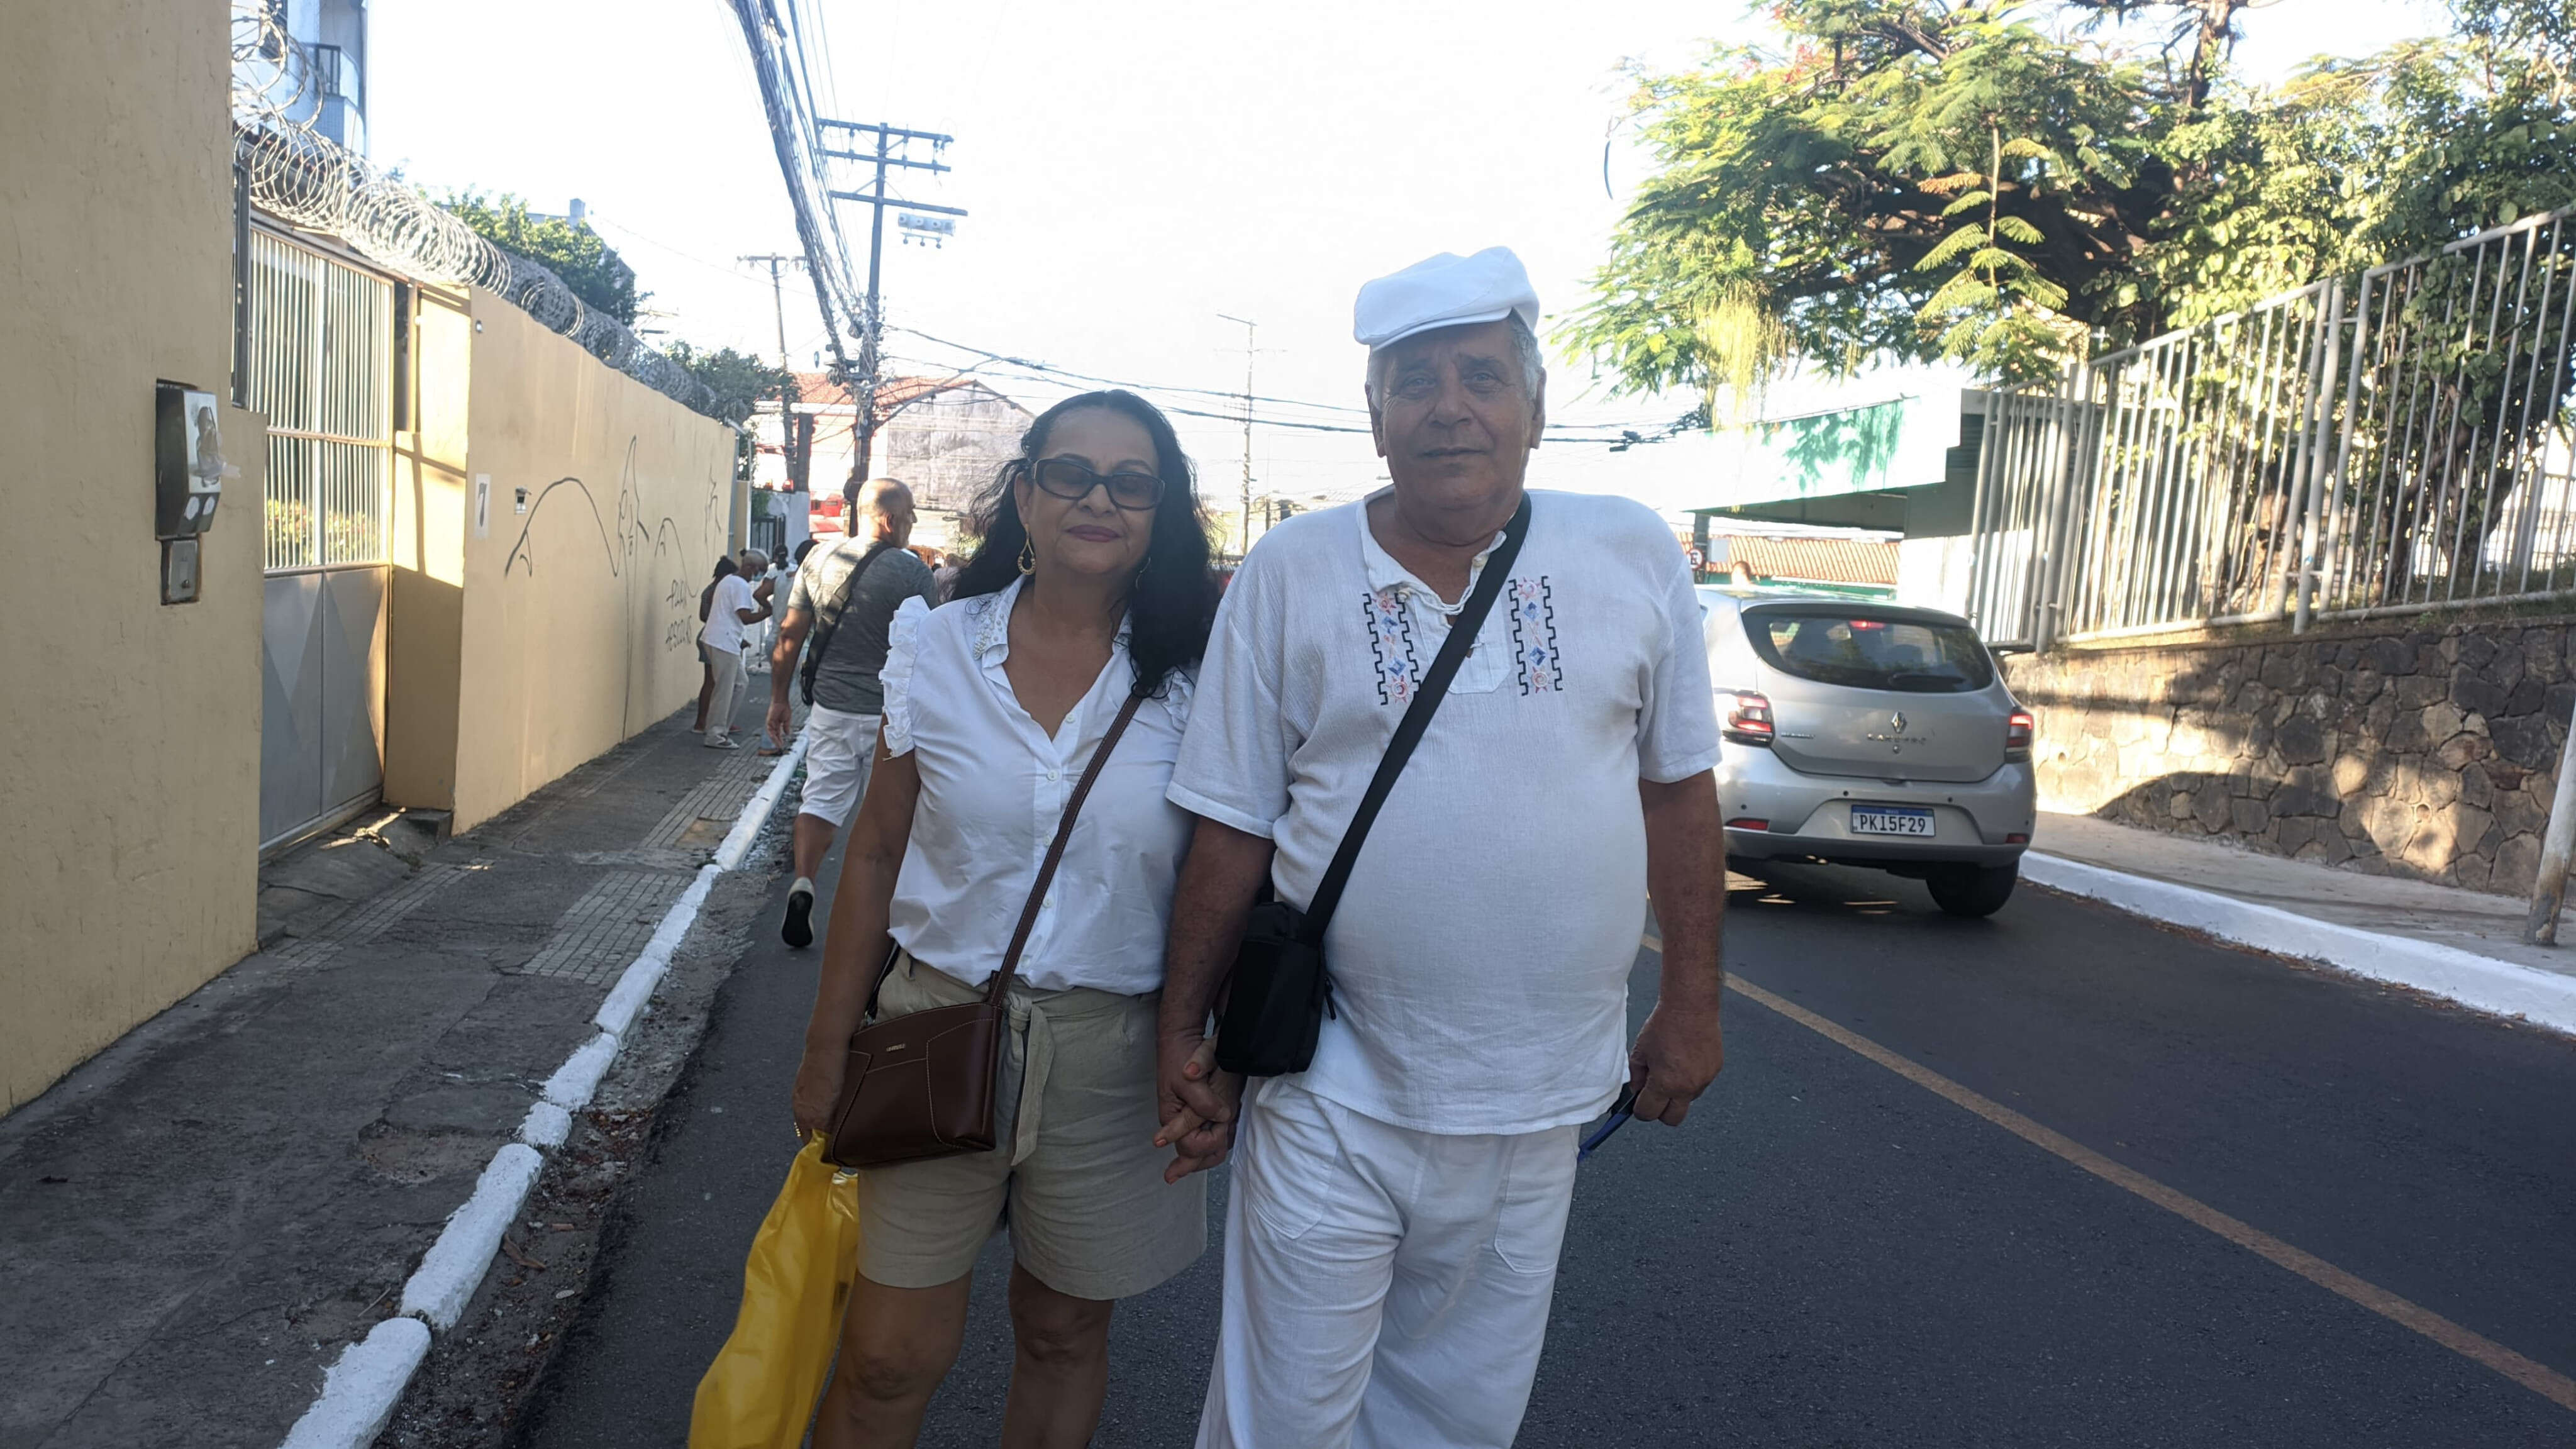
[{"x": 844, "y": 602}]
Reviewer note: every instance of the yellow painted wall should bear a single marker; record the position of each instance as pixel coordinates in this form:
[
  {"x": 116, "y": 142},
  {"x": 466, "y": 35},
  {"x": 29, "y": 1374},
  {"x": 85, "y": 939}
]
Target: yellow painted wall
[
  {"x": 129, "y": 731},
  {"x": 425, "y": 604},
  {"x": 579, "y": 617}
]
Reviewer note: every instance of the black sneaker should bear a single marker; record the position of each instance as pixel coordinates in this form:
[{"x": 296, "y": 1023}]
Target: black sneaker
[{"x": 799, "y": 928}]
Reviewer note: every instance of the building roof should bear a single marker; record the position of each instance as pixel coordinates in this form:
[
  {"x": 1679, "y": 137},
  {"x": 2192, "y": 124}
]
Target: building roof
[{"x": 1816, "y": 560}]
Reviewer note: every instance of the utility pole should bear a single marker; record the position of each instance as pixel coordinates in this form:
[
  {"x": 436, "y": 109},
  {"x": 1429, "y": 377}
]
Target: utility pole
[
  {"x": 787, "y": 420},
  {"x": 777, "y": 297},
  {"x": 1247, "y": 326},
  {"x": 893, "y": 144}
]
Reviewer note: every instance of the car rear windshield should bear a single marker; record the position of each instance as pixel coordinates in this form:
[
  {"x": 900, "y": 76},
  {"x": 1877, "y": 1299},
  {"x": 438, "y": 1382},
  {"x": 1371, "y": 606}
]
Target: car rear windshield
[{"x": 1864, "y": 653}]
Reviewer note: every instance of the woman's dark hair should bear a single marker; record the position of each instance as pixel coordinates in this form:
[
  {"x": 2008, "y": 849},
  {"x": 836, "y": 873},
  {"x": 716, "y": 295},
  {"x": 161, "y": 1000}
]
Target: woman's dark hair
[
  {"x": 803, "y": 549},
  {"x": 724, "y": 568},
  {"x": 1174, "y": 598}
]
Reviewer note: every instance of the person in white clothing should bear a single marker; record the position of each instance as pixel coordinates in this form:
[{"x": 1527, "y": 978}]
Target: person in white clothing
[
  {"x": 1091, "y": 589},
  {"x": 729, "y": 614},
  {"x": 1397, "y": 1208}
]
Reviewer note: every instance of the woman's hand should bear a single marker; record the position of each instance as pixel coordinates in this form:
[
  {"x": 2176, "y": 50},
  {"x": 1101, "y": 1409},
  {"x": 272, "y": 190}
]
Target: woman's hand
[
  {"x": 818, "y": 1090},
  {"x": 1198, "y": 1105}
]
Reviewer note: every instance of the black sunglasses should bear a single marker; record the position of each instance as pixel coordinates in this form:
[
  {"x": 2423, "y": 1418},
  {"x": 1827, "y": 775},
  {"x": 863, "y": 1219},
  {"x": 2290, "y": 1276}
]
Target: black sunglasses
[{"x": 1065, "y": 478}]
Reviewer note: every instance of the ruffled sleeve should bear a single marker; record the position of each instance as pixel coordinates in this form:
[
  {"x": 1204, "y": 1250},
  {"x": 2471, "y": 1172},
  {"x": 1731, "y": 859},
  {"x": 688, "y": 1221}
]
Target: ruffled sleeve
[
  {"x": 1178, "y": 691},
  {"x": 903, "y": 639}
]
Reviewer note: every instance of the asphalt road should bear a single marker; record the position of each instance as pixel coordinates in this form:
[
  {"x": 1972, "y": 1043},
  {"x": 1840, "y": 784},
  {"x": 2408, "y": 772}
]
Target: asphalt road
[{"x": 1830, "y": 1253}]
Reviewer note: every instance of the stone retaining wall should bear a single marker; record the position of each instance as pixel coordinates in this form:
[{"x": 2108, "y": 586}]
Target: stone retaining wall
[{"x": 2429, "y": 753}]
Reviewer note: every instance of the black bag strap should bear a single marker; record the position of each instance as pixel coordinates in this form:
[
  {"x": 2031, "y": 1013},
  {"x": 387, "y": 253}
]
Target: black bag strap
[
  {"x": 1463, "y": 629},
  {"x": 825, "y": 628}
]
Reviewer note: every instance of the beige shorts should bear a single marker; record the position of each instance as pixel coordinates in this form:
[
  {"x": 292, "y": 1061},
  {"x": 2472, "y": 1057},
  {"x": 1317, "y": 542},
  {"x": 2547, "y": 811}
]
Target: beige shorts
[{"x": 1089, "y": 1213}]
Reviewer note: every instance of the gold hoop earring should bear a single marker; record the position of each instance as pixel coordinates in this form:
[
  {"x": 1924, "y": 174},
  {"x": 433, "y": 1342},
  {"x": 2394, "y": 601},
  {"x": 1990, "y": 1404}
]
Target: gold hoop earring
[{"x": 1028, "y": 558}]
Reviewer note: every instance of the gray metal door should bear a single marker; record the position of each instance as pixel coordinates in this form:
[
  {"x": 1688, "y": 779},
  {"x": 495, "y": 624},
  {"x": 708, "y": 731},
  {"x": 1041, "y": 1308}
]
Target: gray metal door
[
  {"x": 322, "y": 672},
  {"x": 320, "y": 367}
]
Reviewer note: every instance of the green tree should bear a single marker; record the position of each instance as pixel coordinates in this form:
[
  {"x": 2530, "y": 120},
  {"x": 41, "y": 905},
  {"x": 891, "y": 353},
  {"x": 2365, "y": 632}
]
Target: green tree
[
  {"x": 737, "y": 379},
  {"x": 2012, "y": 183},
  {"x": 590, "y": 267}
]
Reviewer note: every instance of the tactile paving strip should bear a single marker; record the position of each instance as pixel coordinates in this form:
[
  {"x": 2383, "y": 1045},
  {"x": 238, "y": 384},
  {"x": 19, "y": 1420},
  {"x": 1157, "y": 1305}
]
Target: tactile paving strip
[
  {"x": 720, "y": 796},
  {"x": 371, "y": 917},
  {"x": 604, "y": 929}
]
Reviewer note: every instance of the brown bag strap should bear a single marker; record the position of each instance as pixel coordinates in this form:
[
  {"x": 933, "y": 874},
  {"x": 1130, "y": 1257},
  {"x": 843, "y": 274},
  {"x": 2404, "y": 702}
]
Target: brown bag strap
[{"x": 1055, "y": 852}]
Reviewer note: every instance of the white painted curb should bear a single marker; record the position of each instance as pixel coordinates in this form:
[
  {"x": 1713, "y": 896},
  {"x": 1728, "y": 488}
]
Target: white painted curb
[
  {"x": 456, "y": 1263},
  {"x": 547, "y": 1125},
  {"x": 573, "y": 1082},
  {"x": 738, "y": 844},
  {"x": 2482, "y": 982},
  {"x": 360, "y": 1391}
]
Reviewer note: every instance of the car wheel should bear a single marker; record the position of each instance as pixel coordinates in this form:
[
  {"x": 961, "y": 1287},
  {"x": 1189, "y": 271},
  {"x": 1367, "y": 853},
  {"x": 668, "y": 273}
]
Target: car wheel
[{"x": 1972, "y": 891}]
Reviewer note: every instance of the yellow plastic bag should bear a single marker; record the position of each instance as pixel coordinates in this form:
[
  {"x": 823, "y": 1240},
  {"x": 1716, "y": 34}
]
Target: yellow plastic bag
[{"x": 760, "y": 1391}]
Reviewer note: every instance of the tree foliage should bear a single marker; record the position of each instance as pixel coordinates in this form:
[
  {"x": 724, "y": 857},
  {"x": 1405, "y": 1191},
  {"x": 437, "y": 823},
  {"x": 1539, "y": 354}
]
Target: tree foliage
[
  {"x": 2010, "y": 183},
  {"x": 737, "y": 379},
  {"x": 590, "y": 267}
]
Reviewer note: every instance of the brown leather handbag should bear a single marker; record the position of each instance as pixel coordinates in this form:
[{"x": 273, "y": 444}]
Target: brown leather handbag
[{"x": 922, "y": 1085}]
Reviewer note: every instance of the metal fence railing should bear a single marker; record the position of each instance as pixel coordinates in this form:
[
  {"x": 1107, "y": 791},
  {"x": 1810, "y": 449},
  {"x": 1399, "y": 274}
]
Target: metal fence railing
[
  {"x": 320, "y": 366},
  {"x": 2389, "y": 443}
]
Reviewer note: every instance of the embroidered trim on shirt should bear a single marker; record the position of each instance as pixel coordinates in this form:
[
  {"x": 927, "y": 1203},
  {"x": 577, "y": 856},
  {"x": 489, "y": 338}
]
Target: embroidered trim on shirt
[
  {"x": 992, "y": 625},
  {"x": 1534, "y": 635},
  {"x": 1390, "y": 627}
]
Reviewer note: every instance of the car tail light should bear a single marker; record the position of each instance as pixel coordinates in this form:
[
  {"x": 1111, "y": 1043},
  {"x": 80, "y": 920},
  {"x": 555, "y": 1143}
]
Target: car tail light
[
  {"x": 2016, "y": 838},
  {"x": 1748, "y": 719},
  {"x": 2018, "y": 728},
  {"x": 1747, "y": 822}
]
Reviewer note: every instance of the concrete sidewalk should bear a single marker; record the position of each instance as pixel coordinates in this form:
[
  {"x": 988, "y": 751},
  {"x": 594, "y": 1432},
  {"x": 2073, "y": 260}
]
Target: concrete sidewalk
[
  {"x": 2461, "y": 944},
  {"x": 200, "y": 1218}
]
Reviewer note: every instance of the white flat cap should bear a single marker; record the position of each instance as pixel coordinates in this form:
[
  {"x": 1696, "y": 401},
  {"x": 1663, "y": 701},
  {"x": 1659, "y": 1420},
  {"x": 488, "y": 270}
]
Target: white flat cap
[{"x": 1444, "y": 291}]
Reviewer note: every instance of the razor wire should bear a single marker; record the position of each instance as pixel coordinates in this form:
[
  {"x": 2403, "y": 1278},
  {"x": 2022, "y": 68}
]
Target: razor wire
[{"x": 309, "y": 180}]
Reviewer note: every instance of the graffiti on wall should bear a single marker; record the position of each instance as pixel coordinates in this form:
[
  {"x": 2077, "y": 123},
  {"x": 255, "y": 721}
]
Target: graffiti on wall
[{"x": 632, "y": 549}]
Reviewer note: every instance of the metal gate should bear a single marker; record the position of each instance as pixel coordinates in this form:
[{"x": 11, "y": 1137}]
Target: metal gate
[
  {"x": 319, "y": 364},
  {"x": 2390, "y": 444}
]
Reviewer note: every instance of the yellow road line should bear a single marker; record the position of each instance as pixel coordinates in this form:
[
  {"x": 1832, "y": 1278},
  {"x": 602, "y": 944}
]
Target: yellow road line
[{"x": 2540, "y": 1379}]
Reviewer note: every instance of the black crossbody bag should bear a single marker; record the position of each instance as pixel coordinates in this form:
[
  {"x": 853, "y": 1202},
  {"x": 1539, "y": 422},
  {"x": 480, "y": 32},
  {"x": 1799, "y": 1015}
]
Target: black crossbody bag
[
  {"x": 1281, "y": 988},
  {"x": 824, "y": 629}
]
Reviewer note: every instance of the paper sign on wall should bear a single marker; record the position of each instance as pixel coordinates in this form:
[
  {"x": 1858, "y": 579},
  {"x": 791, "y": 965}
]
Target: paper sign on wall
[{"x": 482, "y": 505}]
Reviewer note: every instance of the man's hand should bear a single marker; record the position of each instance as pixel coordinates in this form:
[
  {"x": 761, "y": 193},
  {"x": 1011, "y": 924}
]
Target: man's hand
[
  {"x": 818, "y": 1090},
  {"x": 1677, "y": 1055},
  {"x": 782, "y": 725},
  {"x": 1198, "y": 1104}
]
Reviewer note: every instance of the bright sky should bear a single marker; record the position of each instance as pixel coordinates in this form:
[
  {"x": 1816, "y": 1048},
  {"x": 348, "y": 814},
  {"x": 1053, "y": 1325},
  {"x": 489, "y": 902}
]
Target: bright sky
[{"x": 1132, "y": 170}]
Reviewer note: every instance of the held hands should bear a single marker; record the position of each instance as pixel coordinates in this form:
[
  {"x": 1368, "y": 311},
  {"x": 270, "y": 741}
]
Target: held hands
[
  {"x": 1677, "y": 1055},
  {"x": 1198, "y": 1104}
]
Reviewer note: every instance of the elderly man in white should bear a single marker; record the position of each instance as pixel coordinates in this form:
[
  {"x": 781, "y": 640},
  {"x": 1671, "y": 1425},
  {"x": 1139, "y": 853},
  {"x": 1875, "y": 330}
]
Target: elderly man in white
[{"x": 1397, "y": 1208}]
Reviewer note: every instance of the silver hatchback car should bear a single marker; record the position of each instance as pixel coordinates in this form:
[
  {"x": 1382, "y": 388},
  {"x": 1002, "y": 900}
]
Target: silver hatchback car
[{"x": 1873, "y": 735}]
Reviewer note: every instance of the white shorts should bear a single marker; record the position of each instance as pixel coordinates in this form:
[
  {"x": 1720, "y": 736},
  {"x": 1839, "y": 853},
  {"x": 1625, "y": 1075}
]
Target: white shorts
[{"x": 839, "y": 748}]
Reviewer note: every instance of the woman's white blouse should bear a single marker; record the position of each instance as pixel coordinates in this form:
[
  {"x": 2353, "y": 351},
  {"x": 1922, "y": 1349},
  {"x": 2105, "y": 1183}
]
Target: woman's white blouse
[{"x": 994, "y": 787}]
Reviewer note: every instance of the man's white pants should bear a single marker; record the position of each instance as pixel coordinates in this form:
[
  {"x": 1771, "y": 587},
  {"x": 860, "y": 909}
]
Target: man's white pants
[
  {"x": 727, "y": 664},
  {"x": 1384, "y": 1288}
]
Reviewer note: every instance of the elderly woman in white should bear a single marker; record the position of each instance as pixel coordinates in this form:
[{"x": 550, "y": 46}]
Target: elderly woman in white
[{"x": 1092, "y": 583}]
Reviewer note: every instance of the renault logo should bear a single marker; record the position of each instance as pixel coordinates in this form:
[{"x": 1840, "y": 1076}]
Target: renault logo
[{"x": 1895, "y": 737}]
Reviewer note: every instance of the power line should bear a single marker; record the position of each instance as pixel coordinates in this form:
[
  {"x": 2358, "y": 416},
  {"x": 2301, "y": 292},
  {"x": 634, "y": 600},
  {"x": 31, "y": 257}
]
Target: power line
[
  {"x": 786, "y": 101},
  {"x": 1045, "y": 372}
]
